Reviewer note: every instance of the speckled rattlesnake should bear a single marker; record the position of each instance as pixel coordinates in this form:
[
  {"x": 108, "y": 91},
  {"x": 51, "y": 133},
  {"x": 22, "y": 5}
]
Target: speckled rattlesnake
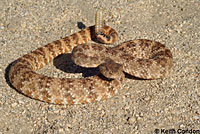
[{"x": 141, "y": 58}]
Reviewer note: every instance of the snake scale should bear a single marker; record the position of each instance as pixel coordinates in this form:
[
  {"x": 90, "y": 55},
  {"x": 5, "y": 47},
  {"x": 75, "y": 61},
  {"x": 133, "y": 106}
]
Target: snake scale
[{"x": 141, "y": 58}]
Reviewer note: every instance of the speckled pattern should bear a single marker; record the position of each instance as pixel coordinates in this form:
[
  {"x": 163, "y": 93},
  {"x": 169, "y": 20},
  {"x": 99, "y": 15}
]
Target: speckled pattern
[
  {"x": 141, "y": 58},
  {"x": 23, "y": 76},
  {"x": 142, "y": 105}
]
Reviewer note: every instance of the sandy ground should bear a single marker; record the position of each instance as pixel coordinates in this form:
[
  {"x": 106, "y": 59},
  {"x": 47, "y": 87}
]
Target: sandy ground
[{"x": 144, "y": 107}]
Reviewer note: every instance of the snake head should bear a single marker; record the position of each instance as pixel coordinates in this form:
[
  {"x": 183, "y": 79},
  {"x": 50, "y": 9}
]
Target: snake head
[{"x": 111, "y": 69}]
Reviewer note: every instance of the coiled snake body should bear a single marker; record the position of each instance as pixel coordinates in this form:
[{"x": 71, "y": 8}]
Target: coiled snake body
[{"x": 141, "y": 58}]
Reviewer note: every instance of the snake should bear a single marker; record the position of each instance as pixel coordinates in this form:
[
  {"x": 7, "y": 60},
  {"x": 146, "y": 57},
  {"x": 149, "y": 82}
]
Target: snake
[{"x": 142, "y": 58}]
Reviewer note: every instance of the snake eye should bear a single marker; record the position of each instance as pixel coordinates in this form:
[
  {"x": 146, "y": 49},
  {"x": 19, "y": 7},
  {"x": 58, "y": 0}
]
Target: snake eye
[{"x": 108, "y": 37}]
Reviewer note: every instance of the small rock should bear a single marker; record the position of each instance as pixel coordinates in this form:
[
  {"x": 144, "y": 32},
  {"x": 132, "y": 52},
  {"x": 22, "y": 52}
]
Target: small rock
[
  {"x": 52, "y": 117},
  {"x": 132, "y": 120}
]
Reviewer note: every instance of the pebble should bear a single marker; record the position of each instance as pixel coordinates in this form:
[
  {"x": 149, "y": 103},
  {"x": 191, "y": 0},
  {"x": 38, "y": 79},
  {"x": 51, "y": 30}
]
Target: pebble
[
  {"x": 51, "y": 117},
  {"x": 132, "y": 120}
]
